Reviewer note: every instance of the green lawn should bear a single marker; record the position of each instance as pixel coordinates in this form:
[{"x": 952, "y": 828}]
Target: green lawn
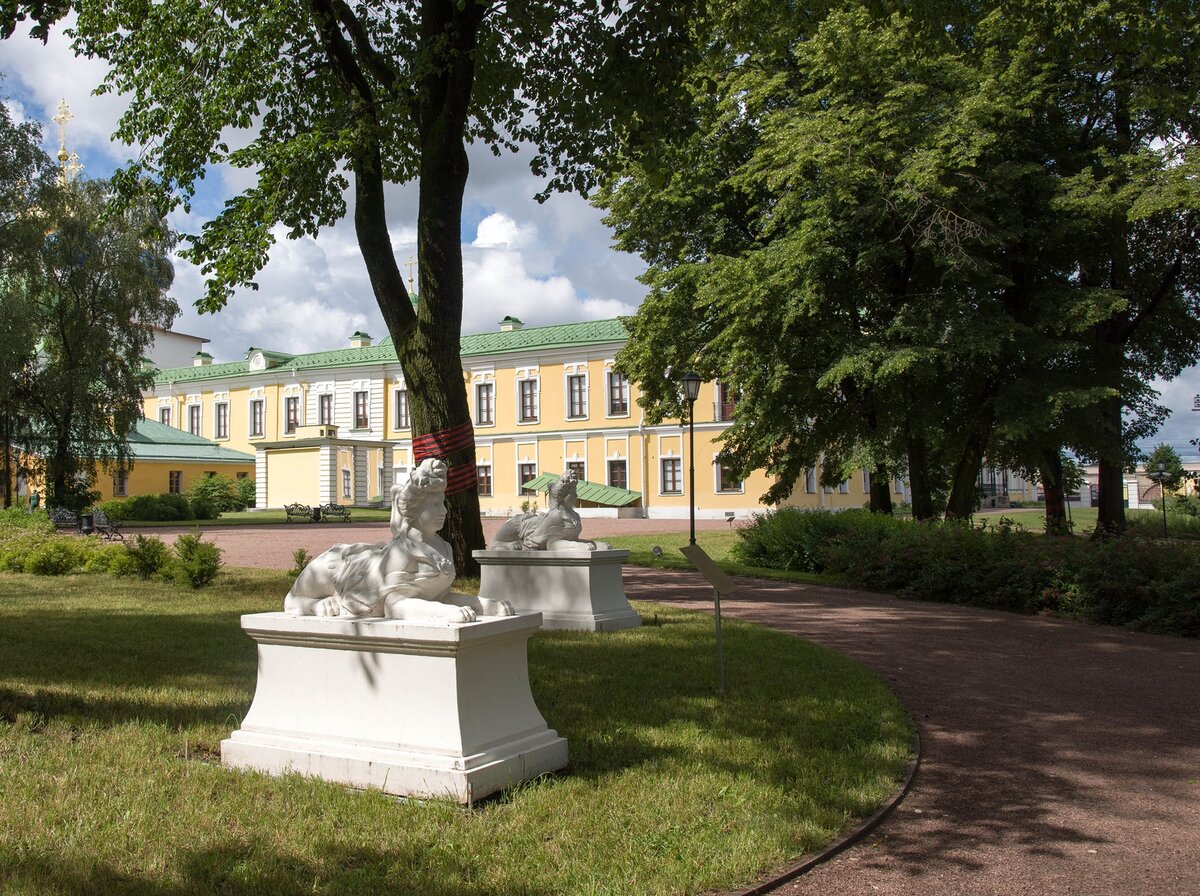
[{"x": 115, "y": 695}]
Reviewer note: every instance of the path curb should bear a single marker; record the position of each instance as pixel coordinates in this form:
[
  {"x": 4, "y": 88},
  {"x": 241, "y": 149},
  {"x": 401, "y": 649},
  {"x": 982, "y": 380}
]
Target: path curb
[{"x": 847, "y": 840}]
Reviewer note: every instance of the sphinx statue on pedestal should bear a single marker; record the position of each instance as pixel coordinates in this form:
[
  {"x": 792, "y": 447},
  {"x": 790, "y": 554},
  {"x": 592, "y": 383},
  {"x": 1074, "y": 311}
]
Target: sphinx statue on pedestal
[
  {"x": 408, "y": 577},
  {"x": 557, "y": 529}
]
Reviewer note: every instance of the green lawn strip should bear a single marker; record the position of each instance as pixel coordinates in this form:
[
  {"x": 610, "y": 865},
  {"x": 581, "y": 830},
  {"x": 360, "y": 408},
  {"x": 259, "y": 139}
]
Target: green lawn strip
[
  {"x": 718, "y": 545},
  {"x": 105, "y": 684},
  {"x": 259, "y": 518}
]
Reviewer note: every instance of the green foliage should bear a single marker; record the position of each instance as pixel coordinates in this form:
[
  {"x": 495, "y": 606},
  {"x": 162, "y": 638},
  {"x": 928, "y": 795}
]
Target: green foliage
[
  {"x": 17, "y": 519},
  {"x": 1171, "y": 465},
  {"x": 198, "y": 561},
  {"x": 246, "y": 495},
  {"x": 111, "y": 558},
  {"x": 210, "y": 496},
  {"x": 164, "y": 508},
  {"x": 56, "y": 556},
  {"x": 794, "y": 539},
  {"x": 1145, "y": 584},
  {"x": 149, "y": 555},
  {"x": 300, "y": 559}
]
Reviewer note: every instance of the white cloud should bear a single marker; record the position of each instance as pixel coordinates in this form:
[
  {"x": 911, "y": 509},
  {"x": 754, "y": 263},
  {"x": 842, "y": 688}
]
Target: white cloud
[{"x": 498, "y": 230}]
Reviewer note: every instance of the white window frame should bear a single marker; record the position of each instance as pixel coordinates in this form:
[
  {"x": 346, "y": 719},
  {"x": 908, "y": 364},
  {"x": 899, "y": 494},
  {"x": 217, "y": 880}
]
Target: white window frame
[
  {"x": 536, "y": 382},
  {"x": 217, "y": 436},
  {"x": 662, "y": 477},
  {"x": 406, "y": 422},
  {"x": 261, "y": 430},
  {"x": 583, "y": 415},
  {"x": 164, "y": 415},
  {"x": 717, "y": 468},
  {"x": 324, "y": 399},
  {"x": 491, "y": 417},
  {"x": 521, "y": 492},
  {"x": 366, "y": 418},
  {"x": 196, "y": 411},
  {"x": 347, "y": 483},
  {"x": 866, "y": 481},
  {"x": 479, "y": 480},
  {"x": 608, "y": 472},
  {"x": 608, "y": 394},
  {"x": 120, "y": 485},
  {"x": 292, "y": 401}
]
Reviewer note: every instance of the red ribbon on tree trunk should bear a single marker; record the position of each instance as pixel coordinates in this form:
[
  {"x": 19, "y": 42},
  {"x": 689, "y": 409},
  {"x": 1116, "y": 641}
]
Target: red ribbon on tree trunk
[{"x": 441, "y": 444}]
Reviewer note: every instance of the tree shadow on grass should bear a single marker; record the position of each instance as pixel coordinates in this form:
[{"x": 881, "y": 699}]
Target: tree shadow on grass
[{"x": 258, "y": 869}]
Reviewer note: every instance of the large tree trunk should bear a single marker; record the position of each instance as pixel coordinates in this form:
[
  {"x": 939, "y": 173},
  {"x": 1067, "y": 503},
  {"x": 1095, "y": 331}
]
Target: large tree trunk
[
  {"x": 881, "y": 490},
  {"x": 432, "y": 364},
  {"x": 1111, "y": 502},
  {"x": 1051, "y": 472},
  {"x": 8, "y": 464},
  {"x": 963, "y": 500},
  {"x": 918, "y": 479}
]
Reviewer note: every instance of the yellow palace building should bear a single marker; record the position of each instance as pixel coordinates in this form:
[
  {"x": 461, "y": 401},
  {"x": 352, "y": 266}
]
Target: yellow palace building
[{"x": 333, "y": 426}]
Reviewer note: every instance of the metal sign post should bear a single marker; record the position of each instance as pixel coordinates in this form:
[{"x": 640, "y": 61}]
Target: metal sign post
[{"x": 722, "y": 585}]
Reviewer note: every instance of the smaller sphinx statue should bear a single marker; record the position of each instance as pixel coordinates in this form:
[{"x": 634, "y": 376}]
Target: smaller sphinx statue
[
  {"x": 555, "y": 530},
  {"x": 408, "y": 577}
]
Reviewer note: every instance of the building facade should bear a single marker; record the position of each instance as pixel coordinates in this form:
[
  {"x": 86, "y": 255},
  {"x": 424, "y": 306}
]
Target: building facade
[{"x": 334, "y": 425}]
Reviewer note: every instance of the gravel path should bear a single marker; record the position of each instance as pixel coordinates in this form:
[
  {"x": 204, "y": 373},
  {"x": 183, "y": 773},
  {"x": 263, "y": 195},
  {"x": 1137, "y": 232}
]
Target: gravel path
[{"x": 1059, "y": 758}]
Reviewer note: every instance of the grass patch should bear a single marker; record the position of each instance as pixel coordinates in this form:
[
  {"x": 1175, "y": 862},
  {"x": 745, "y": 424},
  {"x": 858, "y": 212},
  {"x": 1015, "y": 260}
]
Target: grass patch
[
  {"x": 718, "y": 545},
  {"x": 115, "y": 695}
]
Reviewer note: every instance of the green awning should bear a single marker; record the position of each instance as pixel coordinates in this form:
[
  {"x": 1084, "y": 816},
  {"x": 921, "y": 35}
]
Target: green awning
[{"x": 593, "y": 493}]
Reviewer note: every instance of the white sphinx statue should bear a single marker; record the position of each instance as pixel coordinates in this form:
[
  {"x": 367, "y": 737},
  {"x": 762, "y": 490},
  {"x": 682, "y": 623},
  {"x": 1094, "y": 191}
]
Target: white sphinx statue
[
  {"x": 555, "y": 530},
  {"x": 408, "y": 577}
]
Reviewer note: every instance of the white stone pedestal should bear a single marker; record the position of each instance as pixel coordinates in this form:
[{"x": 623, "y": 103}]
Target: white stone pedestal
[
  {"x": 579, "y": 590},
  {"x": 410, "y": 708}
]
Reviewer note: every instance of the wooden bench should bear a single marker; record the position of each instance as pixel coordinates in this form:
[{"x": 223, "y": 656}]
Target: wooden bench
[
  {"x": 63, "y": 518},
  {"x": 107, "y": 527},
  {"x": 335, "y": 512},
  {"x": 298, "y": 512}
]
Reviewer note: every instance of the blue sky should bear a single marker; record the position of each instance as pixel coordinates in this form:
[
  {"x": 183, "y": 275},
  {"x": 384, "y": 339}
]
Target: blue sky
[{"x": 547, "y": 263}]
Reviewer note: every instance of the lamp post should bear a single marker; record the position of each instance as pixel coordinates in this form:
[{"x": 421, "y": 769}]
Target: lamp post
[
  {"x": 1161, "y": 478},
  {"x": 691, "y": 391}
]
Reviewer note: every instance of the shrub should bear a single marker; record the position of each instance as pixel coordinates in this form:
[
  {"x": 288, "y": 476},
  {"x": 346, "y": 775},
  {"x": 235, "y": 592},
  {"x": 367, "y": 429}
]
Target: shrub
[
  {"x": 794, "y": 539},
  {"x": 56, "y": 556},
  {"x": 113, "y": 559},
  {"x": 16, "y": 519},
  {"x": 148, "y": 555},
  {"x": 165, "y": 508},
  {"x": 246, "y": 494},
  {"x": 198, "y": 561},
  {"x": 214, "y": 495},
  {"x": 300, "y": 559}
]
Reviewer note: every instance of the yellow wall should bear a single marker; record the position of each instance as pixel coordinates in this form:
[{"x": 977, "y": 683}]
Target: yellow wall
[{"x": 293, "y": 477}]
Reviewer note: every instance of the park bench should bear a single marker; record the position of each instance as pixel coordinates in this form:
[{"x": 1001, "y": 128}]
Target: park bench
[
  {"x": 106, "y": 526},
  {"x": 63, "y": 518},
  {"x": 335, "y": 512},
  {"x": 298, "y": 512}
]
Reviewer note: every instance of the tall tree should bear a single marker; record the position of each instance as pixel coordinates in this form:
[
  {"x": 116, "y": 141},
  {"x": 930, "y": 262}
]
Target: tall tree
[
  {"x": 326, "y": 92},
  {"x": 24, "y": 173},
  {"x": 97, "y": 290}
]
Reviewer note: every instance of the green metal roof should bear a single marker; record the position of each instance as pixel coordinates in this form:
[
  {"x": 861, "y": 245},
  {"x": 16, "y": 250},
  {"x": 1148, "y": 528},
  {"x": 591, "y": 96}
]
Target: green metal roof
[
  {"x": 556, "y": 336},
  {"x": 608, "y": 495},
  {"x": 151, "y": 440}
]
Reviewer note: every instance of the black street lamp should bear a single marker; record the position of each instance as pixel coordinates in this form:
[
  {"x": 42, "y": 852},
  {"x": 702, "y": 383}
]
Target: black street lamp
[
  {"x": 1161, "y": 478},
  {"x": 691, "y": 391}
]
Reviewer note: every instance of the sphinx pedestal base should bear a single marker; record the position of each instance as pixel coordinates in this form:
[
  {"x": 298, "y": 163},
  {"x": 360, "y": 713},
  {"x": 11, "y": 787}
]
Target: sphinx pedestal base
[
  {"x": 580, "y": 590},
  {"x": 412, "y": 709}
]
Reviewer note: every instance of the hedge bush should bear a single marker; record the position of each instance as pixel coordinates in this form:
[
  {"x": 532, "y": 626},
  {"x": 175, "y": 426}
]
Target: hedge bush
[
  {"x": 165, "y": 508},
  {"x": 1149, "y": 584},
  {"x": 198, "y": 561}
]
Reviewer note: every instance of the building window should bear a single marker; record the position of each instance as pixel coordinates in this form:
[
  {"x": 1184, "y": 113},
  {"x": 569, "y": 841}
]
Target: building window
[
  {"x": 672, "y": 476},
  {"x": 164, "y": 416},
  {"x": 526, "y": 473},
  {"x": 361, "y": 419},
  {"x": 483, "y": 480},
  {"x": 898, "y": 486},
  {"x": 810, "y": 481},
  {"x": 726, "y": 480},
  {"x": 529, "y": 401},
  {"x": 618, "y": 474},
  {"x": 324, "y": 409},
  {"x": 256, "y": 417},
  {"x": 866, "y": 482},
  {"x": 194, "y": 419},
  {"x": 402, "y": 421},
  {"x": 243, "y": 475},
  {"x": 175, "y": 481},
  {"x": 844, "y": 487},
  {"x": 726, "y": 403},
  {"x": 577, "y": 396},
  {"x": 485, "y": 404},
  {"x": 120, "y": 485},
  {"x": 578, "y": 468},
  {"x": 222, "y": 416},
  {"x": 291, "y": 412},
  {"x": 346, "y": 493},
  {"x": 618, "y": 394}
]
